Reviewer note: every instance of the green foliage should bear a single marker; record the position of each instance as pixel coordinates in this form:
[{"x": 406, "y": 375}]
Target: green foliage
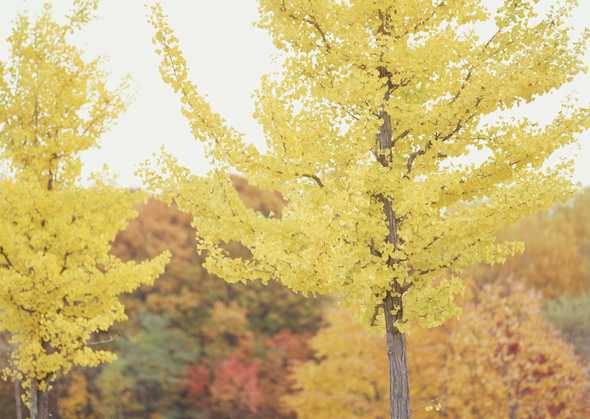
[
  {"x": 152, "y": 362},
  {"x": 571, "y": 315},
  {"x": 272, "y": 308},
  {"x": 159, "y": 352}
]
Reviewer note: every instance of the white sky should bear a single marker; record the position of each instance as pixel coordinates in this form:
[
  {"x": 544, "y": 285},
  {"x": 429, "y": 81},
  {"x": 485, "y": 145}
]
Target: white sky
[{"x": 226, "y": 54}]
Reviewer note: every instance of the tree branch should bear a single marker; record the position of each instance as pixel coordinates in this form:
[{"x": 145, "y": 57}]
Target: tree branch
[
  {"x": 3, "y": 254},
  {"x": 314, "y": 178},
  {"x": 311, "y": 20}
]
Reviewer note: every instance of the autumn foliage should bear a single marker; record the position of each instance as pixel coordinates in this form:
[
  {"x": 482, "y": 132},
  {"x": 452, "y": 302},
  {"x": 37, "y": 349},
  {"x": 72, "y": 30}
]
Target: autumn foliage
[
  {"x": 347, "y": 374},
  {"x": 375, "y": 106},
  {"x": 198, "y": 347},
  {"x": 503, "y": 350},
  {"x": 556, "y": 258},
  {"x": 195, "y": 345},
  {"x": 500, "y": 359},
  {"x": 60, "y": 286},
  {"x": 286, "y": 264}
]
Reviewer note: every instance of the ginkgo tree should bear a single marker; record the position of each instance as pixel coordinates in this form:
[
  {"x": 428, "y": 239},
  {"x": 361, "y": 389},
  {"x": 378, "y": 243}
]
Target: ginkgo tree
[
  {"x": 368, "y": 126},
  {"x": 500, "y": 360},
  {"x": 59, "y": 284}
]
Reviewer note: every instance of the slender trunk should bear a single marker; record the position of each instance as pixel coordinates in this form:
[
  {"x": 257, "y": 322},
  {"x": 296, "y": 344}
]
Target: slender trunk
[
  {"x": 44, "y": 405},
  {"x": 513, "y": 412},
  {"x": 17, "y": 399},
  {"x": 399, "y": 392},
  {"x": 38, "y": 402},
  {"x": 399, "y": 387},
  {"x": 33, "y": 401}
]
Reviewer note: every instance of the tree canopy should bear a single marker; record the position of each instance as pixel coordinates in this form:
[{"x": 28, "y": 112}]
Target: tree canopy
[
  {"x": 350, "y": 69},
  {"x": 59, "y": 283}
]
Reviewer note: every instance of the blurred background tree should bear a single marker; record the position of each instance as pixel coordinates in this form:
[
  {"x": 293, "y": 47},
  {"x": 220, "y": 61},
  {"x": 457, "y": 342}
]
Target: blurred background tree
[
  {"x": 197, "y": 347},
  {"x": 556, "y": 260},
  {"x": 501, "y": 360}
]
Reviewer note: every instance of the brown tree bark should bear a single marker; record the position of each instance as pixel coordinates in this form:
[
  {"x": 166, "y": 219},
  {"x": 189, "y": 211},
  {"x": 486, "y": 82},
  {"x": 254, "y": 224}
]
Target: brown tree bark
[
  {"x": 34, "y": 400},
  {"x": 399, "y": 386},
  {"x": 44, "y": 405},
  {"x": 39, "y": 402},
  {"x": 399, "y": 389},
  {"x": 17, "y": 399}
]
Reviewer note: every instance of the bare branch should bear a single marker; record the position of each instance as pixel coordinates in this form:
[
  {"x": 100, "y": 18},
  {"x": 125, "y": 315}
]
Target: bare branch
[
  {"x": 5, "y": 256},
  {"x": 314, "y": 178},
  {"x": 311, "y": 20},
  {"x": 101, "y": 342},
  {"x": 460, "y": 124},
  {"x": 65, "y": 262}
]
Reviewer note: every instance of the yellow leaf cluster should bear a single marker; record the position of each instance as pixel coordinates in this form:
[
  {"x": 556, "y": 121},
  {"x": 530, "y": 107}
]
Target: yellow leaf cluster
[
  {"x": 349, "y": 380},
  {"x": 353, "y": 70},
  {"x": 59, "y": 284},
  {"x": 504, "y": 352}
]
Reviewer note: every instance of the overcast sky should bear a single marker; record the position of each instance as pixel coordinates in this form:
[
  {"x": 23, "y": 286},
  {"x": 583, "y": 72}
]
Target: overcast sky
[{"x": 227, "y": 55}]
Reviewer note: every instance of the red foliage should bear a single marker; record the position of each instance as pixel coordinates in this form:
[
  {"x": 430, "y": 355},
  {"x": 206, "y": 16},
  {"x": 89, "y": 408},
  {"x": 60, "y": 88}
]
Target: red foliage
[
  {"x": 197, "y": 379},
  {"x": 236, "y": 381},
  {"x": 293, "y": 347}
]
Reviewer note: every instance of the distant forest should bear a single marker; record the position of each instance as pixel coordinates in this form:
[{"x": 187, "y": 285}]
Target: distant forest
[{"x": 198, "y": 347}]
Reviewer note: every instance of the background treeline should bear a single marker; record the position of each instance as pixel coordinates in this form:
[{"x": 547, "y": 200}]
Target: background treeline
[{"x": 198, "y": 347}]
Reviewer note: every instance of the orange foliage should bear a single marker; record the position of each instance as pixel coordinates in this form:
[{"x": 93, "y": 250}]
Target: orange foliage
[
  {"x": 503, "y": 360},
  {"x": 235, "y": 385},
  {"x": 261, "y": 200},
  {"x": 197, "y": 379},
  {"x": 499, "y": 360},
  {"x": 77, "y": 400},
  {"x": 159, "y": 227},
  {"x": 238, "y": 378},
  {"x": 556, "y": 259},
  {"x": 283, "y": 350}
]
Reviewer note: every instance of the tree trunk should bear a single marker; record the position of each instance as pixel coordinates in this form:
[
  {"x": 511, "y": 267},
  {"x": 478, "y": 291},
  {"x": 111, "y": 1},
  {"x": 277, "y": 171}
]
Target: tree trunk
[
  {"x": 399, "y": 387},
  {"x": 33, "y": 401},
  {"x": 44, "y": 405},
  {"x": 39, "y": 402},
  {"x": 17, "y": 399}
]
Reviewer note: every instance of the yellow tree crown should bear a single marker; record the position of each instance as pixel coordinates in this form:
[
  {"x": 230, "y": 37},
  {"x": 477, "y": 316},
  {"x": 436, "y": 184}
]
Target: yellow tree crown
[
  {"x": 53, "y": 103},
  {"x": 59, "y": 284},
  {"x": 376, "y": 104}
]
